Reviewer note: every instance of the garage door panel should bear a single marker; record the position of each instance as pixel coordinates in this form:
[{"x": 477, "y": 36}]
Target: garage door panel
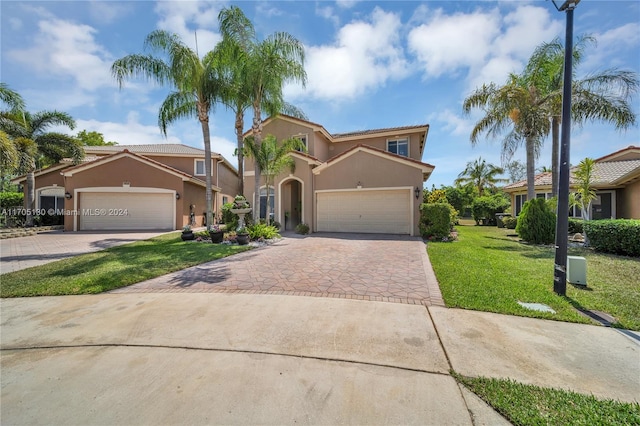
[
  {"x": 126, "y": 211},
  {"x": 375, "y": 211}
]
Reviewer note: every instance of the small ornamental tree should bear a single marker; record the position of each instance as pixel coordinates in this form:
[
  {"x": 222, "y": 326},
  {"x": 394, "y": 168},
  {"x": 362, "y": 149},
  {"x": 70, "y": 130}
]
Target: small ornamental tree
[
  {"x": 536, "y": 223},
  {"x": 435, "y": 220}
]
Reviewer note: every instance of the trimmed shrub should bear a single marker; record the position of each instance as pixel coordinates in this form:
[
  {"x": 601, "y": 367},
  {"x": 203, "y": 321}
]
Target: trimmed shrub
[
  {"x": 435, "y": 220},
  {"x": 302, "y": 228},
  {"x": 575, "y": 226},
  {"x": 261, "y": 230},
  {"x": 536, "y": 223},
  {"x": 11, "y": 199},
  {"x": 485, "y": 208},
  {"x": 616, "y": 236},
  {"x": 510, "y": 222}
]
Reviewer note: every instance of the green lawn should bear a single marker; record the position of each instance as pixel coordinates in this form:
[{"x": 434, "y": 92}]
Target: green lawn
[
  {"x": 113, "y": 268},
  {"x": 532, "y": 405},
  {"x": 487, "y": 269}
]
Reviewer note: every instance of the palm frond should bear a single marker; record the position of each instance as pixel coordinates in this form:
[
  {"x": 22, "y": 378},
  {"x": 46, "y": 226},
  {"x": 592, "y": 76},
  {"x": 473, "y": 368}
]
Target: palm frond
[{"x": 176, "y": 106}]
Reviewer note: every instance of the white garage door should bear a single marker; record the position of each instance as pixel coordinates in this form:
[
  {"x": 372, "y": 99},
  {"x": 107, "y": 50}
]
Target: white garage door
[
  {"x": 126, "y": 210},
  {"x": 368, "y": 211}
]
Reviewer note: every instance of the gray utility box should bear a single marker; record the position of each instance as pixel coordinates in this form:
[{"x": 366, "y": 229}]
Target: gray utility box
[{"x": 577, "y": 270}]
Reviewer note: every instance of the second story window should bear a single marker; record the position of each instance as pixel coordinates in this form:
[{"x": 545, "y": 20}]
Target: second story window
[
  {"x": 398, "y": 146},
  {"x": 199, "y": 168},
  {"x": 303, "y": 139}
]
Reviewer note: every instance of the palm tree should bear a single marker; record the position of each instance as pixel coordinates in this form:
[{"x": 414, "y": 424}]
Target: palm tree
[
  {"x": 194, "y": 83},
  {"x": 38, "y": 148},
  {"x": 481, "y": 175},
  {"x": 273, "y": 159},
  {"x": 267, "y": 66},
  {"x": 516, "y": 106},
  {"x": 584, "y": 174},
  {"x": 601, "y": 96}
]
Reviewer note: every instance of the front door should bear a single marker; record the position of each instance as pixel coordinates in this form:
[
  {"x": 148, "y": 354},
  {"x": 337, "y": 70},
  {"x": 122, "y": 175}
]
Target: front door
[{"x": 601, "y": 206}]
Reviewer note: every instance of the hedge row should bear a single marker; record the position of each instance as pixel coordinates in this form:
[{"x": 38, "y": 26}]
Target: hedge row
[
  {"x": 11, "y": 199},
  {"x": 617, "y": 236},
  {"x": 435, "y": 220}
]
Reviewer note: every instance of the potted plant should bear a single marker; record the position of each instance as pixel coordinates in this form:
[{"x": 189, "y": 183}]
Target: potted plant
[
  {"x": 216, "y": 233},
  {"x": 242, "y": 236},
  {"x": 187, "y": 233}
]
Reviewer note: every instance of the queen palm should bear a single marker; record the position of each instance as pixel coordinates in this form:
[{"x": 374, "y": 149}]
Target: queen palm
[
  {"x": 515, "y": 107},
  {"x": 603, "y": 95},
  {"x": 194, "y": 83},
  {"x": 273, "y": 158},
  {"x": 9, "y": 155},
  {"x": 266, "y": 66},
  {"x": 38, "y": 148},
  {"x": 481, "y": 175}
]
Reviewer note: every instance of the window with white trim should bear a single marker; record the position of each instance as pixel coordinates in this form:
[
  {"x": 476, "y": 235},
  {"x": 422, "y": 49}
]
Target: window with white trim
[
  {"x": 199, "y": 168},
  {"x": 398, "y": 146},
  {"x": 303, "y": 139}
]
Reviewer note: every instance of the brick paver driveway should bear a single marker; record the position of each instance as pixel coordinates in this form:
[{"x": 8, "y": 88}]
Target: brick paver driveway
[{"x": 355, "y": 266}]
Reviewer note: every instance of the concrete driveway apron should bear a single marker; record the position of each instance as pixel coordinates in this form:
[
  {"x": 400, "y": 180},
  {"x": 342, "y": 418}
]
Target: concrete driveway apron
[{"x": 385, "y": 268}]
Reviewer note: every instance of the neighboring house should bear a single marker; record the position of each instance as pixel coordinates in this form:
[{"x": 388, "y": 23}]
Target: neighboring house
[
  {"x": 617, "y": 185},
  {"x": 368, "y": 181},
  {"x": 159, "y": 187}
]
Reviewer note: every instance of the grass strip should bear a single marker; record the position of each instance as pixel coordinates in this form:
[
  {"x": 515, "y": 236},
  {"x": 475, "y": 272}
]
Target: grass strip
[
  {"x": 489, "y": 270},
  {"x": 532, "y": 405},
  {"x": 113, "y": 268}
]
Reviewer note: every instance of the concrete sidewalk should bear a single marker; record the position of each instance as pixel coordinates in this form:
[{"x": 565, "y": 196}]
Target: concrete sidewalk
[{"x": 212, "y": 358}]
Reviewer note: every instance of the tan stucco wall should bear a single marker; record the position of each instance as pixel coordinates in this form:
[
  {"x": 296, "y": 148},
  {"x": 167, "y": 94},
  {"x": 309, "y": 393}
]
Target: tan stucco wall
[
  {"x": 184, "y": 164},
  {"x": 193, "y": 195},
  {"x": 338, "y": 148},
  {"x": 283, "y": 129},
  {"x": 631, "y": 201}
]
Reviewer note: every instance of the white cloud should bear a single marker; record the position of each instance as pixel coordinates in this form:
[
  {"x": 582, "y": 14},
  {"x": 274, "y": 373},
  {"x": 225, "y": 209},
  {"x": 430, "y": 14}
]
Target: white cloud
[
  {"x": 365, "y": 56},
  {"x": 453, "y": 123},
  {"x": 346, "y": 4},
  {"x": 65, "y": 49},
  {"x": 185, "y": 18},
  {"x": 15, "y": 23},
  {"x": 107, "y": 12},
  {"x": 130, "y": 133},
  {"x": 327, "y": 13},
  {"x": 612, "y": 45},
  {"x": 484, "y": 45}
]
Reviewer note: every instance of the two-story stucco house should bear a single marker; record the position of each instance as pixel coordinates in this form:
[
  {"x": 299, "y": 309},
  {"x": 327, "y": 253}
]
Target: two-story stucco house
[
  {"x": 159, "y": 187},
  {"x": 367, "y": 181}
]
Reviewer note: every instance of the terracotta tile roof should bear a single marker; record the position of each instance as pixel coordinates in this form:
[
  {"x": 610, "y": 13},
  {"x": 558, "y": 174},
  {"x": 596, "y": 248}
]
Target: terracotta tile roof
[
  {"x": 160, "y": 148},
  {"x": 373, "y": 131},
  {"x": 618, "y": 153}
]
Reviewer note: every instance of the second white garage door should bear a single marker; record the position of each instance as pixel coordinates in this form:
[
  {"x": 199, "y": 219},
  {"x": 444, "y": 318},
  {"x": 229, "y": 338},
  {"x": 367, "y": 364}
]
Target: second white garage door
[
  {"x": 126, "y": 211},
  {"x": 367, "y": 211}
]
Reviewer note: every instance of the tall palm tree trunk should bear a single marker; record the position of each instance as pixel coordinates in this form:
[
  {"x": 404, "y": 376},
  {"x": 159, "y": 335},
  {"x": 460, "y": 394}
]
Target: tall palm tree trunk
[
  {"x": 31, "y": 184},
  {"x": 257, "y": 137},
  {"x": 268, "y": 214},
  {"x": 204, "y": 121},
  {"x": 239, "y": 129},
  {"x": 555, "y": 154},
  {"x": 531, "y": 168}
]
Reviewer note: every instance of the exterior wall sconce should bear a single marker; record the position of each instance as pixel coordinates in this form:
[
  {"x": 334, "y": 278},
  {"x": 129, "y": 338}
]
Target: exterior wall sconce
[
  {"x": 417, "y": 192},
  {"x": 359, "y": 185},
  {"x": 177, "y": 196},
  {"x": 68, "y": 195}
]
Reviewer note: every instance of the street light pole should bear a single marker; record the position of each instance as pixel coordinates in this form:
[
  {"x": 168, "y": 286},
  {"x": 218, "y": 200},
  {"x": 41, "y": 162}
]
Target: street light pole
[{"x": 562, "y": 222}]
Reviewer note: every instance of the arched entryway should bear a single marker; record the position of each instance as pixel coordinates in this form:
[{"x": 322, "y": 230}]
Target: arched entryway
[{"x": 291, "y": 211}]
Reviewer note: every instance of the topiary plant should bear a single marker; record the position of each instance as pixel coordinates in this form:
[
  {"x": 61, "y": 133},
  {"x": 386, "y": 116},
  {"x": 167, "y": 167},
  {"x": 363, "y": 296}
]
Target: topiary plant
[{"x": 536, "y": 223}]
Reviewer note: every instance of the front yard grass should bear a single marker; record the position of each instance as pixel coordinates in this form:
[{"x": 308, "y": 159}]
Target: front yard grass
[
  {"x": 113, "y": 268},
  {"x": 487, "y": 269},
  {"x": 532, "y": 405}
]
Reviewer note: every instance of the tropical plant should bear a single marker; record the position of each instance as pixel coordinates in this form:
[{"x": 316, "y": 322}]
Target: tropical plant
[
  {"x": 267, "y": 66},
  {"x": 9, "y": 155},
  {"x": 484, "y": 209},
  {"x": 193, "y": 81},
  {"x": 603, "y": 95},
  {"x": 584, "y": 175},
  {"x": 302, "y": 228},
  {"x": 515, "y": 106},
  {"x": 38, "y": 148},
  {"x": 481, "y": 175},
  {"x": 272, "y": 158}
]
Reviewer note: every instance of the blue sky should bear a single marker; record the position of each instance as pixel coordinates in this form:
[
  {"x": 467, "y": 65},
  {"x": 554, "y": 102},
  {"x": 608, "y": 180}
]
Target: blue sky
[{"x": 371, "y": 64}]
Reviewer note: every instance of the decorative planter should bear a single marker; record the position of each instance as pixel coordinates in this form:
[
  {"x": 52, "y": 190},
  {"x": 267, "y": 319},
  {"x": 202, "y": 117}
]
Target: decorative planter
[
  {"x": 187, "y": 236},
  {"x": 241, "y": 213},
  {"x": 216, "y": 236},
  {"x": 242, "y": 239}
]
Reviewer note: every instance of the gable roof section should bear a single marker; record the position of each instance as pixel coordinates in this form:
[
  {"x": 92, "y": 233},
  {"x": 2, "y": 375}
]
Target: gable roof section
[
  {"x": 125, "y": 153},
  {"x": 172, "y": 149},
  {"x": 53, "y": 168},
  {"x": 424, "y": 167},
  {"x": 351, "y": 136},
  {"x": 629, "y": 153},
  {"x": 306, "y": 157}
]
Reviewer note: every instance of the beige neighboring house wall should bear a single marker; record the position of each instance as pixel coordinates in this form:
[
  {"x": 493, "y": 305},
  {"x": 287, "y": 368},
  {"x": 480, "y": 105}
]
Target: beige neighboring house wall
[{"x": 349, "y": 166}]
